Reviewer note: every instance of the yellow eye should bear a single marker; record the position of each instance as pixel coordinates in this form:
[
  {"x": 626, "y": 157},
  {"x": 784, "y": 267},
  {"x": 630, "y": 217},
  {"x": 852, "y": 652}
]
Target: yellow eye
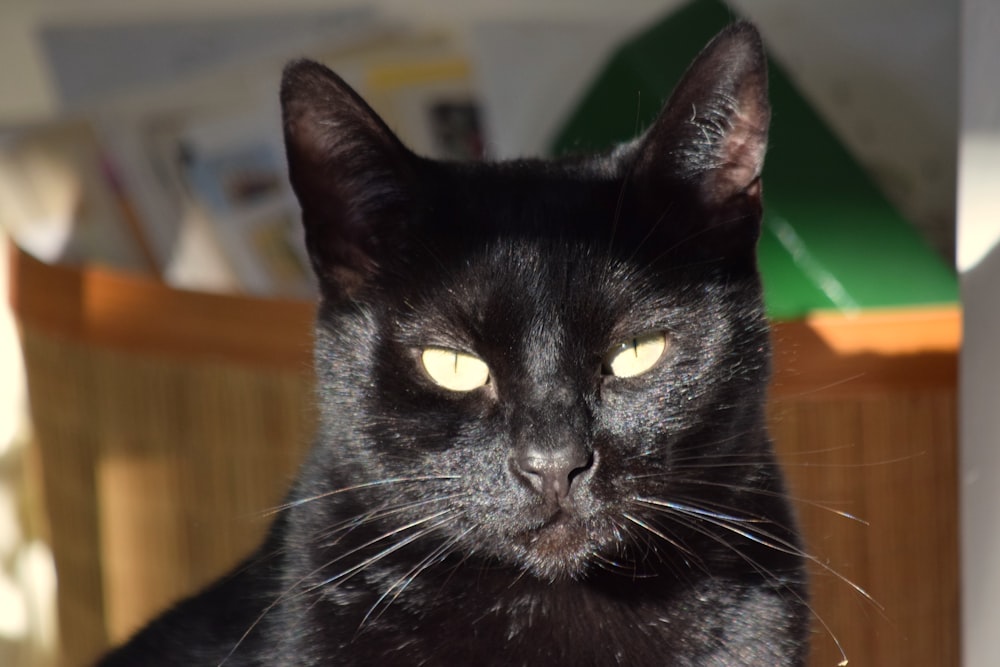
[
  {"x": 455, "y": 370},
  {"x": 637, "y": 355}
]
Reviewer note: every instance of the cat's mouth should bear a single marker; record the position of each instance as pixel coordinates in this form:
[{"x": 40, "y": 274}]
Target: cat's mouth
[
  {"x": 560, "y": 520},
  {"x": 559, "y": 546}
]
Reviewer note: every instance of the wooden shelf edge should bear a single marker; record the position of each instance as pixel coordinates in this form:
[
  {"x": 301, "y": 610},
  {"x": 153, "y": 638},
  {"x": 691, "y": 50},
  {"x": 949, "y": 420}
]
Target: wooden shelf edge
[
  {"x": 827, "y": 354},
  {"x": 104, "y": 307}
]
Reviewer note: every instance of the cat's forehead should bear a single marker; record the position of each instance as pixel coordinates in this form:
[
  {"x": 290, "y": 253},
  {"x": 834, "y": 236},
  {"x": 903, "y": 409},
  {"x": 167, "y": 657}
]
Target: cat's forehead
[
  {"x": 536, "y": 289},
  {"x": 518, "y": 267},
  {"x": 568, "y": 200},
  {"x": 528, "y": 246}
]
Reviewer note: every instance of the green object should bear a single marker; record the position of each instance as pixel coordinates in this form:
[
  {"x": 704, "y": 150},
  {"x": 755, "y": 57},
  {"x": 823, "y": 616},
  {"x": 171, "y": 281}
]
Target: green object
[{"x": 831, "y": 240}]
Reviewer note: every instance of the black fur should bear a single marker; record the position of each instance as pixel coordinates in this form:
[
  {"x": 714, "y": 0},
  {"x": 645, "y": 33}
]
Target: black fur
[{"x": 413, "y": 535}]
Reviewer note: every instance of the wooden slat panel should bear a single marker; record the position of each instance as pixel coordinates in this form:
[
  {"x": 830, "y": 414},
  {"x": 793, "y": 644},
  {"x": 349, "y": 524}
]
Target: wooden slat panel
[
  {"x": 157, "y": 474},
  {"x": 888, "y": 459}
]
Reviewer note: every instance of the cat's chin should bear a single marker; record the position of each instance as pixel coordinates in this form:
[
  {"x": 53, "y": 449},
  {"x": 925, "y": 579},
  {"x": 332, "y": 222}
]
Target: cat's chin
[{"x": 559, "y": 549}]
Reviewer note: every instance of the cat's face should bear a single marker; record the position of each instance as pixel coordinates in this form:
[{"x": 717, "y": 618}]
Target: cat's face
[{"x": 523, "y": 360}]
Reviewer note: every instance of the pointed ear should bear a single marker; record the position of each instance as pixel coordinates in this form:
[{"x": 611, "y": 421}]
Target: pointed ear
[
  {"x": 351, "y": 174},
  {"x": 709, "y": 141}
]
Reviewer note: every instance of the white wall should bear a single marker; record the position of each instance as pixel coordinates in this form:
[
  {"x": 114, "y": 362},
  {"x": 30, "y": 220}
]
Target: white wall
[{"x": 979, "y": 263}]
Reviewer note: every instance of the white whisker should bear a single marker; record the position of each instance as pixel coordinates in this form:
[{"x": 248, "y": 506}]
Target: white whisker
[
  {"x": 326, "y": 494},
  {"x": 681, "y": 517},
  {"x": 346, "y": 526},
  {"x": 669, "y": 540},
  {"x": 438, "y": 554},
  {"x": 749, "y": 529},
  {"x": 343, "y": 576}
]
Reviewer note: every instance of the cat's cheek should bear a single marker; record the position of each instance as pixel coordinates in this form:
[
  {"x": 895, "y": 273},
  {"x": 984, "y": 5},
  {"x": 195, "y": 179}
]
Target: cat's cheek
[{"x": 638, "y": 427}]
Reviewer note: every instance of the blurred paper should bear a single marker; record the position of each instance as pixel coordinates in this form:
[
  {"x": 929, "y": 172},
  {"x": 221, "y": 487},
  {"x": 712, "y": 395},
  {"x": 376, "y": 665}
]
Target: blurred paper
[
  {"x": 90, "y": 62},
  {"x": 58, "y": 202}
]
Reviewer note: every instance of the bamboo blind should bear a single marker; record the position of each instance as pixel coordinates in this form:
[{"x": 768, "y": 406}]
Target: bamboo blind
[
  {"x": 169, "y": 422},
  {"x": 157, "y": 475}
]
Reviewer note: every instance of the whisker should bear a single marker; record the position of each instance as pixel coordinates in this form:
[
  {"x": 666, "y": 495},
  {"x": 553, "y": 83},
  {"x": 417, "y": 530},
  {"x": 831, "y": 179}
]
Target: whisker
[
  {"x": 775, "y": 494},
  {"x": 341, "y": 576},
  {"x": 669, "y": 540},
  {"x": 347, "y": 525},
  {"x": 800, "y": 464},
  {"x": 610, "y": 565},
  {"x": 665, "y": 215},
  {"x": 704, "y": 230},
  {"x": 762, "y": 537},
  {"x": 698, "y": 448},
  {"x": 698, "y": 454},
  {"x": 688, "y": 509},
  {"x": 764, "y": 572},
  {"x": 517, "y": 579},
  {"x": 618, "y": 209},
  {"x": 438, "y": 554},
  {"x": 326, "y": 494},
  {"x": 356, "y": 568},
  {"x": 816, "y": 390}
]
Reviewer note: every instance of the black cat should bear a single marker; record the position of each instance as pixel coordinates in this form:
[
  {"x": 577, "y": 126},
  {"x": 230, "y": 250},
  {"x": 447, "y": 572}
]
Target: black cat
[{"x": 542, "y": 390}]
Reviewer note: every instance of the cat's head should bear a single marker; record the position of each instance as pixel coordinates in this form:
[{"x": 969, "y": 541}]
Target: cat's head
[{"x": 524, "y": 358}]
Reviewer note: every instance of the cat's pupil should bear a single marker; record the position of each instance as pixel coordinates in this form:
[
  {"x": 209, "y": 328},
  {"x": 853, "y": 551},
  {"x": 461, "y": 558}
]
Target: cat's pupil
[
  {"x": 636, "y": 356},
  {"x": 454, "y": 370}
]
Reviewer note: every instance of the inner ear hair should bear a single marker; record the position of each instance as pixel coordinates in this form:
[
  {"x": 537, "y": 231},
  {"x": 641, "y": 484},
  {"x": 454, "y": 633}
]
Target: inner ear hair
[{"x": 712, "y": 133}]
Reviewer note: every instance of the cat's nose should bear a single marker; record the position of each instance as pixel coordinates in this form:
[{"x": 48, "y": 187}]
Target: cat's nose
[{"x": 552, "y": 472}]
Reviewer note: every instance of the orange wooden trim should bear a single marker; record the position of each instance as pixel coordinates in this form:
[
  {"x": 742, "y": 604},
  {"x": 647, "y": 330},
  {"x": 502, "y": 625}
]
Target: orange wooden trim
[
  {"x": 826, "y": 353},
  {"x": 136, "y": 313},
  {"x": 822, "y": 354},
  {"x": 890, "y": 330}
]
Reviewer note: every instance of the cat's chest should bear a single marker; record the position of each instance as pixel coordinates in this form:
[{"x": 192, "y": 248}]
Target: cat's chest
[
  {"x": 485, "y": 620},
  {"x": 563, "y": 624}
]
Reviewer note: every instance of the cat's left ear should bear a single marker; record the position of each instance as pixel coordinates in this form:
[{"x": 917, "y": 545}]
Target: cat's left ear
[
  {"x": 353, "y": 177},
  {"x": 709, "y": 141}
]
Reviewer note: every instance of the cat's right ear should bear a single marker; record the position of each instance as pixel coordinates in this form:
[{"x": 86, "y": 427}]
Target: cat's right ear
[
  {"x": 353, "y": 177},
  {"x": 706, "y": 149}
]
